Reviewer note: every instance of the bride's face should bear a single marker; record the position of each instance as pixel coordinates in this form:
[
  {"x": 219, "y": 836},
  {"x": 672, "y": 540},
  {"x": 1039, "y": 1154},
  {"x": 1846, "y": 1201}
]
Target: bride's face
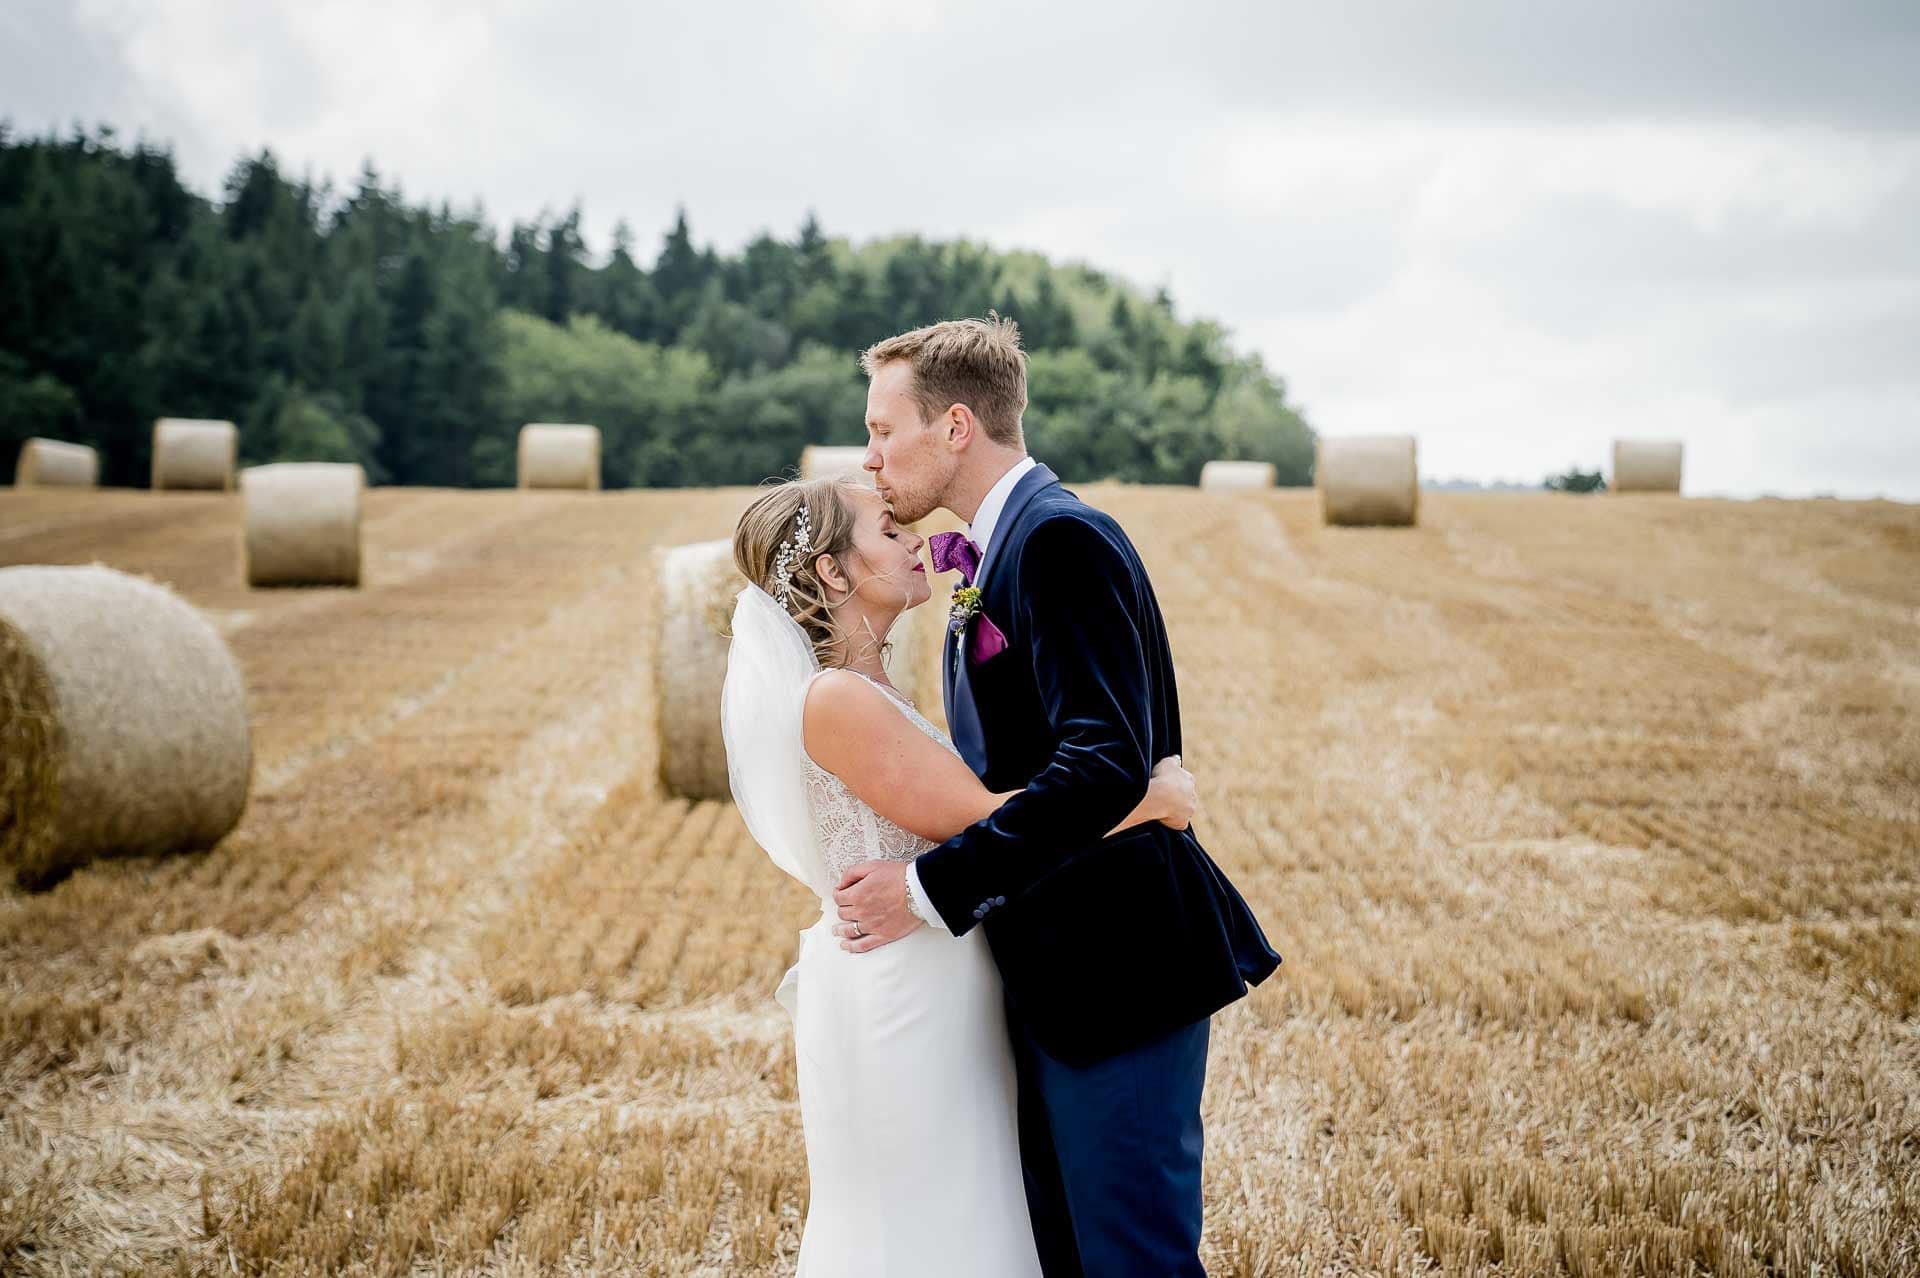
[{"x": 889, "y": 575}]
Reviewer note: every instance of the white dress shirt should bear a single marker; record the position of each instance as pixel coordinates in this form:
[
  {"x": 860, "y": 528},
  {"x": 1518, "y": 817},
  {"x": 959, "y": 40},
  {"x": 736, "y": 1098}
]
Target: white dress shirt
[{"x": 980, "y": 533}]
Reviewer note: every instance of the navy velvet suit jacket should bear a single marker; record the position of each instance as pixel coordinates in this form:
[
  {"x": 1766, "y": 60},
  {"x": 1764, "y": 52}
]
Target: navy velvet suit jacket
[{"x": 1102, "y": 943}]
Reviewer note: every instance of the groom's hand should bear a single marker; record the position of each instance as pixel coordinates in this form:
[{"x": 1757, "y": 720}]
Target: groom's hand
[{"x": 874, "y": 895}]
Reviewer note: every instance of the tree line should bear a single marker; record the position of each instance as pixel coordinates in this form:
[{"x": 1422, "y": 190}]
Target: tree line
[{"x": 352, "y": 325}]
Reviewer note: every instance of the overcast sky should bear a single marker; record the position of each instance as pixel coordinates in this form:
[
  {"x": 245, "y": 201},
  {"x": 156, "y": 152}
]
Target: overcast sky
[{"x": 1516, "y": 230}]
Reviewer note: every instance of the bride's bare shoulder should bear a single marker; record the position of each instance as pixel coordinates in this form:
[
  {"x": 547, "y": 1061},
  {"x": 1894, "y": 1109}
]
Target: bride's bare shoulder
[{"x": 841, "y": 708}]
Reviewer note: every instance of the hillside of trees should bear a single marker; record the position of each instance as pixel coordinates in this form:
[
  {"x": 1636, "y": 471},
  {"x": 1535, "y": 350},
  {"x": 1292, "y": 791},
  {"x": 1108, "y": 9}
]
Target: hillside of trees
[{"x": 354, "y": 326}]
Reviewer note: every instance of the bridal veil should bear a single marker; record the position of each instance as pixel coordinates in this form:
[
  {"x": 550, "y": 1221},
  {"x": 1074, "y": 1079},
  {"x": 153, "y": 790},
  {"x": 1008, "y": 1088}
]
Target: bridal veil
[{"x": 769, "y": 666}]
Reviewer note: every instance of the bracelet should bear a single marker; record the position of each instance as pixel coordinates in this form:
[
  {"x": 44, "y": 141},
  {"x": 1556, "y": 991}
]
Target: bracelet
[{"x": 913, "y": 906}]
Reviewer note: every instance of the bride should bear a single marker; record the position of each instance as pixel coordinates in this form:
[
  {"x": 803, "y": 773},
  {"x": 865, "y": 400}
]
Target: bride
[{"x": 831, "y": 765}]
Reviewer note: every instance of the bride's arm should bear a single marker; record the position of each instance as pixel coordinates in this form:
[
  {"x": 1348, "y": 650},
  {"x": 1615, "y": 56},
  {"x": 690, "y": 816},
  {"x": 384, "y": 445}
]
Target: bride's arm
[{"x": 852, "y": 729}]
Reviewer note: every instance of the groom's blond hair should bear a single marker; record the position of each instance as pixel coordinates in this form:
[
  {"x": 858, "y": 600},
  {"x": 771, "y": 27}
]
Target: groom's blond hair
[{"x": 976, "y": 362}]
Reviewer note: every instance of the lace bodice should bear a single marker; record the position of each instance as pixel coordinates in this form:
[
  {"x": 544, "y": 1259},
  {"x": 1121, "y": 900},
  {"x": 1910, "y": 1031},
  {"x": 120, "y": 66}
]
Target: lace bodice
[{"x": 851, "y": 832}]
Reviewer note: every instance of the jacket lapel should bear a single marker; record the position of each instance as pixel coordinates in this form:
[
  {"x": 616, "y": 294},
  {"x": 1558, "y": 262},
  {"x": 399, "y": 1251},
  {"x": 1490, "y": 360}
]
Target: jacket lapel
[
  {"x": 1023, "y": 492},
  {"x": 963, "y": 716}
]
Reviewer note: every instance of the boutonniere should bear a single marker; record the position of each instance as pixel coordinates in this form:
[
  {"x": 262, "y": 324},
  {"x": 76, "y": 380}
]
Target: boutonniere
[{"x": 966, "y": 606}]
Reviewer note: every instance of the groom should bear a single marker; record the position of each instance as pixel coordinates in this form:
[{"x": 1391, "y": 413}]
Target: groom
[{"x": 1113, "y": 951}]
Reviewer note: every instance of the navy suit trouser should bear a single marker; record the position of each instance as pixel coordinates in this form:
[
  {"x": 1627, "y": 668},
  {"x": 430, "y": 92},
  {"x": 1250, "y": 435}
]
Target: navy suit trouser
[{"x": 1111, "y": 1153}]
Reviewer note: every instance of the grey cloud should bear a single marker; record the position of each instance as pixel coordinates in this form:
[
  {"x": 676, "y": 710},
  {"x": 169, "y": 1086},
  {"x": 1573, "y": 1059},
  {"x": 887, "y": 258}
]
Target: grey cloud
[
  {"x": 1771, "y": 60},
  {"x": 56, "y": 71},
  {"x": 1593, "y": 239}
]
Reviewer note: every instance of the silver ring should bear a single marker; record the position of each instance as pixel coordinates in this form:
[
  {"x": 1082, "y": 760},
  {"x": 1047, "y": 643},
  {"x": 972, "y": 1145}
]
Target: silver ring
[{"x": 857, "y": 933}]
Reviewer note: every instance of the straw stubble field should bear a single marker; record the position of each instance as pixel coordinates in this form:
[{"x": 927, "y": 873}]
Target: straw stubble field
[{"x": 1590, "y": 829}]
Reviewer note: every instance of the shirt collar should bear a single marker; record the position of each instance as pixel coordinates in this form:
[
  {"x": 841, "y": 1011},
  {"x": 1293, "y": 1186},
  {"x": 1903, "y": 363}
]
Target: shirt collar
[{"x": 980, "y": 531}]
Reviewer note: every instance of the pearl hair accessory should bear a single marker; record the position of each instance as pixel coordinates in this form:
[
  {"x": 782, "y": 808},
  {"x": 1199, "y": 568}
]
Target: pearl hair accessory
[{"x": 792, "y": 551}]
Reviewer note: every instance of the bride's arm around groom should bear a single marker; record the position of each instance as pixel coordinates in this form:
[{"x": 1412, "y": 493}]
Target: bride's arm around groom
[{"x": 852, "y": 731}]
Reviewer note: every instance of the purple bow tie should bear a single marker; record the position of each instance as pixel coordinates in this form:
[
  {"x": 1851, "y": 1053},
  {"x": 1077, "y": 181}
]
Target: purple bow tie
[{"x": 952, "y": 550}]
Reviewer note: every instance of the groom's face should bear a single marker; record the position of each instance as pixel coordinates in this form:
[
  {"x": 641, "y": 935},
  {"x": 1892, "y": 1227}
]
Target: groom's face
[{"x": 913, "y": 460}]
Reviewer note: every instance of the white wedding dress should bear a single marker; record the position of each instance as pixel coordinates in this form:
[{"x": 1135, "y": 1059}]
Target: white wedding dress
[{"x": 906, "y": 1080}]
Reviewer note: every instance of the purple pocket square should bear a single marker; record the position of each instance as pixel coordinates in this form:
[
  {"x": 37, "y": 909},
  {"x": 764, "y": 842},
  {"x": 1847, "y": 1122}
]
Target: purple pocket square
[{"x": 984, "y": 640}]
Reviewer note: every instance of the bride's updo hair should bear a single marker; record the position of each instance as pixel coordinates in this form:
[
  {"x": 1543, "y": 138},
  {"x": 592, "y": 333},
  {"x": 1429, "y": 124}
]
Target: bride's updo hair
[{"x": 771, "y": 521}]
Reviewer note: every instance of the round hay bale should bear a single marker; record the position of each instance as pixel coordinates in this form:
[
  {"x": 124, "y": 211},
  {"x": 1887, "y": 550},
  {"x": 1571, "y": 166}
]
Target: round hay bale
[
  {"x": 123, "y": 722},
  {"x": 1236, "y": 476},
  {"x": 303, "y": 523},
  {"x": 194, "y": 453},
  {"x": 1646, "y": 465},
  {"x": 51, "y": 463},
  {"x": 697, "y": 585},
  {"x": 1368, "y": 480},
  {"x": 821, "y": 461},
  {"x": 559, "y": 455}
]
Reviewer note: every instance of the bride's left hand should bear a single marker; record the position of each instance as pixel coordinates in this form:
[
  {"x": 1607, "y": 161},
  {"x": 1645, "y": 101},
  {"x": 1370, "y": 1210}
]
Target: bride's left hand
[{"x": 873, "y": 894}]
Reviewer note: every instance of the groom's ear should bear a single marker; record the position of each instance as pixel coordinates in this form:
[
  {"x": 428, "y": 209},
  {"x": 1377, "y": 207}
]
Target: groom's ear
[{"x": 960, "y": 424}]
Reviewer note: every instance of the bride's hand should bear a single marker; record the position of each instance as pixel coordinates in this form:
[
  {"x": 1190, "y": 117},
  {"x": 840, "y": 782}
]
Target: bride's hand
[{"x": 1172, "y": 793}]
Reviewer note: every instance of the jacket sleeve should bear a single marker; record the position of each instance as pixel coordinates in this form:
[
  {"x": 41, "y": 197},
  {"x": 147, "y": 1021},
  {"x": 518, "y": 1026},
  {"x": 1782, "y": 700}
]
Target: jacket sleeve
[{"x": 1077, "y": 601}]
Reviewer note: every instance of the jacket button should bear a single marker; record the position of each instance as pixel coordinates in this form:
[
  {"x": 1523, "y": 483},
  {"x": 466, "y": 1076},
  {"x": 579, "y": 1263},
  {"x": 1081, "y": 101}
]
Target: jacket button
[
  {"x": 999, "y": 900},
  {"x": 979, "y": 911}
]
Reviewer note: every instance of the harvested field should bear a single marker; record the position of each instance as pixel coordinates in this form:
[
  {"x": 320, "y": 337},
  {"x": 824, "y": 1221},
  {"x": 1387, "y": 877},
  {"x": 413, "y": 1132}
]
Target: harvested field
[{"x": 1590, "y": 830}]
